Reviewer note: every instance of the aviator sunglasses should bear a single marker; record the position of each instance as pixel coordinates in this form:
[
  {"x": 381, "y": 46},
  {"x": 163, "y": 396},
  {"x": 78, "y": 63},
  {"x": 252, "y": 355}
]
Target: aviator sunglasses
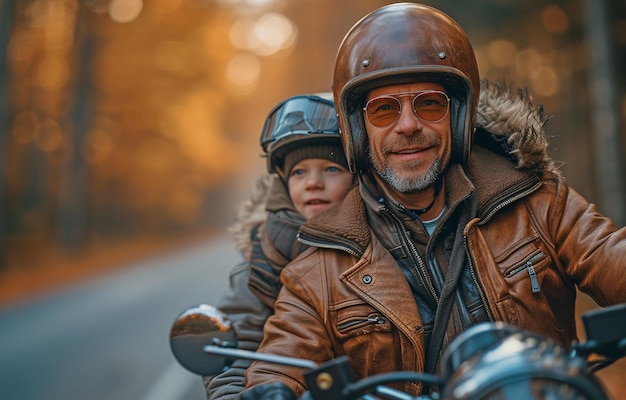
[{"x": 428, "y": 105}]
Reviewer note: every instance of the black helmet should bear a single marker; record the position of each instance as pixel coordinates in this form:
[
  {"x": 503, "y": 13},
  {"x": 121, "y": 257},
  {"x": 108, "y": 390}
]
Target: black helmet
[
  {"x": 303, "y": 120},
  {"x": 400, "y": 43}
]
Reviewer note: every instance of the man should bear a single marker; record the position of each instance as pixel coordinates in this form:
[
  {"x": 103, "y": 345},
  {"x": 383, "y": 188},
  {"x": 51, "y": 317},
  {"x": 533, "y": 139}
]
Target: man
[{"x": 460, "y": 216}]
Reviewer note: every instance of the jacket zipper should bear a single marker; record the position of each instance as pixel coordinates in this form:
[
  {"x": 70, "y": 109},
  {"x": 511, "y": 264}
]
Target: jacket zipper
[
  {"x": 508, "y": 201},
  {"x": 329, "y": 245},
  {"x": 371, "y": 320},
  {"x": 421, "y": 266},
  {"x": 532, "y": 274},
  {"x": 483, "y": 221},
  {"x": 481, "y": 290}
]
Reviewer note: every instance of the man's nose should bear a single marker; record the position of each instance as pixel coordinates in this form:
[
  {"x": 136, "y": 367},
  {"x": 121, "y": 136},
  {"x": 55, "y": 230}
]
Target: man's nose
[{"x": 407, "y": 122}]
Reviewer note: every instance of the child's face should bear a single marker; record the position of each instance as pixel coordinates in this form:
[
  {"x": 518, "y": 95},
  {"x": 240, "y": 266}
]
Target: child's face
[{"x": 316, "y": 184}]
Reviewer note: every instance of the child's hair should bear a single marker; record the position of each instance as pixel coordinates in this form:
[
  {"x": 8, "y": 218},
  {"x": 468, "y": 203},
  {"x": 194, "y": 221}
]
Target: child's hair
[{"x": 301, "y": 127}]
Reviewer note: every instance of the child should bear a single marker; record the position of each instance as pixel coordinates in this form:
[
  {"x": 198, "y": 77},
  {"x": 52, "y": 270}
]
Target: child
[
  {"x": 317, "y": 179},
  {"x": 308, "y": 174}
]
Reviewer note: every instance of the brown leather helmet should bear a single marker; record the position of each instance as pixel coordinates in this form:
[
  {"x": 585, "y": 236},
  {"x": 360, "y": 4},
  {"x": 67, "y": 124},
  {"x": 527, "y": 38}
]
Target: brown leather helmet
[{"x": 400, "y": 43}]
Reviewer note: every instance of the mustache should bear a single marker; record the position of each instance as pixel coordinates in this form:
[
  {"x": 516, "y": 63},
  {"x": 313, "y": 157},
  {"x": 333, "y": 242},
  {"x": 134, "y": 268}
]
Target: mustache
[{"x": 406, "y": 142}]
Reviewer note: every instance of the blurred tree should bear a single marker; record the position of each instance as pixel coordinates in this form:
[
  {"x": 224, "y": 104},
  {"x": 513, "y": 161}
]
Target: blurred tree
[
  {"x": 604, "y": 108},
  {"x": 7, "y": 9},
  {"x": 71, "y": 222}
]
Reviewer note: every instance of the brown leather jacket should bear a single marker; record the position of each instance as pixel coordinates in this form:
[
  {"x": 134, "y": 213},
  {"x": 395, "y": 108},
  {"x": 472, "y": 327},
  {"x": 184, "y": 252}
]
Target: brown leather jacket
[{"x": 532, "y": 242}]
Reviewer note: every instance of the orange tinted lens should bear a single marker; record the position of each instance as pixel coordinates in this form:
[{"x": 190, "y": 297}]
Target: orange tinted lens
[
  {"x": 382, "y": 111},
  {"x": 431, "y": 106}
]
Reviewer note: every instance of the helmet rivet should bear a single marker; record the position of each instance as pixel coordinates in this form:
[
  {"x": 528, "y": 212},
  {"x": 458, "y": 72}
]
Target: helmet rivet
[
  {"x": 366, "y": 63},
  {"x": 442, "y": 54}
]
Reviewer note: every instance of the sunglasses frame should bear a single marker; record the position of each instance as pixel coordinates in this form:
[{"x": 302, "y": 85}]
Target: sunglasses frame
[{"x": 415, "y": 95}]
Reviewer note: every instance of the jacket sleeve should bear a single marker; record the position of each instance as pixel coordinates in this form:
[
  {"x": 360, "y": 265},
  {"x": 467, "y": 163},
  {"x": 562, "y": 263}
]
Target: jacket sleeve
[
  {"x": 248, "y": 315},
  {"x": 296, "y": 329},
  {"x": 591, "y": 247},
  {"x": 278, "y": 245}
]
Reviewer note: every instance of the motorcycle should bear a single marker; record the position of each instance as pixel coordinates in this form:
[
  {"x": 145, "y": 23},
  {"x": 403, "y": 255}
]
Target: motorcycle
[{"x": 489, "y": 361}]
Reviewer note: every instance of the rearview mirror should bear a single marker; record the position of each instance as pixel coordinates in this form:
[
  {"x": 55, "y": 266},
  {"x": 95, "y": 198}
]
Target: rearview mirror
[{"x": 196, "y": 328}]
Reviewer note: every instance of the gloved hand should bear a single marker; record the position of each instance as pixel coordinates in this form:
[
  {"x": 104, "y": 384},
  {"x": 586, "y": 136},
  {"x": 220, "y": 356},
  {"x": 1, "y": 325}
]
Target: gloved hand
[{"x": 268, "y": 391}]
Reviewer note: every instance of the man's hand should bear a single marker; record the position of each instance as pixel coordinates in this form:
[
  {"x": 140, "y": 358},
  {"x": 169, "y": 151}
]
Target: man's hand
[{"x": 268, "y": 391}]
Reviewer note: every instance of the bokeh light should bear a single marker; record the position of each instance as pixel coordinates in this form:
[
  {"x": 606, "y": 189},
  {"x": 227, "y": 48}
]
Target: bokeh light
[
  {"x": 50, "y": 136},
  {"x": 265, "y": 35},
  {"x": 52, "y": 73},
  {"x": 501, "y": 53},
  {"x": 274, "y": 32},
  {"x": 21, "y": 47},
  {"x": 243, "y": 72},
  {"x": 527, "y": 60},
  {"x": 544, "y": 81},
  {"x": 124, "y": 11},
  {"x": 24, "y": 127},
  {"x": 554, "y": 19},
  {"x": 100, "y": 142}
]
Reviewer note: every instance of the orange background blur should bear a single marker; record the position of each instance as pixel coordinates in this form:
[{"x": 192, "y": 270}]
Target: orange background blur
[{"x": 129, "y": 126}]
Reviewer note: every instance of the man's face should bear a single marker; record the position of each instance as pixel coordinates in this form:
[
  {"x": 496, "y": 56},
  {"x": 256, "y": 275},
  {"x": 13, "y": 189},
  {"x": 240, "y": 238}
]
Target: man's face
[{"x": 409, "y": 153}]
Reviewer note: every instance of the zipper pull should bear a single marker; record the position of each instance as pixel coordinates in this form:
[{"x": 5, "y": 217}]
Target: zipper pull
[
  {"x": 376, "y": 320},
  {"x": 533, "y": 278}
]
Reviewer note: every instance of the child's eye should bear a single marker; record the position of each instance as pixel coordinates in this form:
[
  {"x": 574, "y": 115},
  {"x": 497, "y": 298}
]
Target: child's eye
[
  {"x": 332, "y": 169},
  {"x": 297, "y": 171}
]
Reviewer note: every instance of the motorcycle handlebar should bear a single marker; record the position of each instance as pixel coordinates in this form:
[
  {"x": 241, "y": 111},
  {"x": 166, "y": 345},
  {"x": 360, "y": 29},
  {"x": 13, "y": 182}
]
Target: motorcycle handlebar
[{"x": 490, "y": 360}]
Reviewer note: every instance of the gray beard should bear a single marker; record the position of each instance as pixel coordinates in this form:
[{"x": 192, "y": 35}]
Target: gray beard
[{"x": 407, "y": 185}]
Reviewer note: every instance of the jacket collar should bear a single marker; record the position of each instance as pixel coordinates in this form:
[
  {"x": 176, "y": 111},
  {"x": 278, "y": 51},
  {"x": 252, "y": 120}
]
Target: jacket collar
[{"x": 278, "y": 197}]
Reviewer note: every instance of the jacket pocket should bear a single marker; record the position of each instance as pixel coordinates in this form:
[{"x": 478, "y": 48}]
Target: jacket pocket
[
  {"x": 357, "y": 322},
  {"x": 359, "y": 319},
  {"x": 366, "y": 336},
  {"x": 529, "y": 267}
]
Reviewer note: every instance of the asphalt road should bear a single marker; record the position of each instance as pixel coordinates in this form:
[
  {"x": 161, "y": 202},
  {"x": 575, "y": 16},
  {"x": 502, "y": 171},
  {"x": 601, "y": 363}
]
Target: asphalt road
[{"x": 108, "y": 338}]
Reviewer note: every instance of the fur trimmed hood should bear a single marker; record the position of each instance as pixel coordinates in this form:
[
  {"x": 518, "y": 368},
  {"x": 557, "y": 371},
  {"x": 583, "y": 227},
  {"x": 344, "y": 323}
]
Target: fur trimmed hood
[
  {"x": 512, "y": 118},
  {"x": 268, "y": 194},
  {"x": 251, "y": 214}
]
